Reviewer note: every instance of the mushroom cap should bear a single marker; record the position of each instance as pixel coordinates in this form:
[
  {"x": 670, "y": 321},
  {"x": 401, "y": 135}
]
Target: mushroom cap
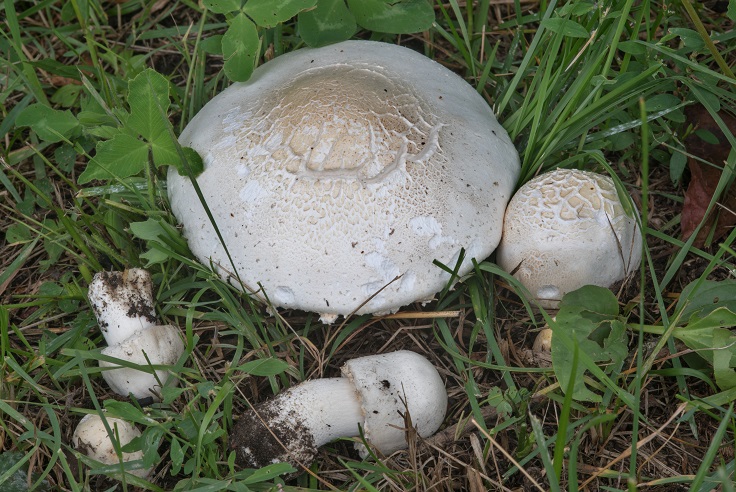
[
  {"x": 390, "y": 384},
  {"x": 334, "y": 171},
  {"x": 92, "y": 439},
  {"x": 156, "y": 345},
  {"x": 543, "y": 342},
  {"x": 566, "y": 229},
  {"x": 122, "y": 302}
]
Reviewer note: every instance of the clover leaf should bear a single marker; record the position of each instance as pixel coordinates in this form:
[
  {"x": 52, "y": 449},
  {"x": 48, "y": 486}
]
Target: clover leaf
[{"x": 145, "y": 136}]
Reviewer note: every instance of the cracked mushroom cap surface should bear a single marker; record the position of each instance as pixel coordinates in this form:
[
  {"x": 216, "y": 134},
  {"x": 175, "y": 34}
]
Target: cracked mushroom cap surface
[
  {"x": 334, "y": 171},
  {"x": 565, "y": 229}
]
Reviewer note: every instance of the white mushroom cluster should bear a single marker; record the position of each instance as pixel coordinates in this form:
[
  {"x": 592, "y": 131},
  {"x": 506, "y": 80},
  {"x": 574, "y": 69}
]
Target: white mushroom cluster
[
  {"x": 123, "y": 305},
  {"x": 374, "y": 394},
  {"x": 566, "y": 229},
  {"x": 338, "y": 175}
]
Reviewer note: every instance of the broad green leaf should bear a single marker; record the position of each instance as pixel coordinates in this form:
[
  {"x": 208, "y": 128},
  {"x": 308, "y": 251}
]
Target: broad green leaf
[
  {"x": 724, "y": 357},
  {"x": 66, "y": 95},
  {"x": 212, "y": 45},
  {"x": 702, "y": 297},
  {"x": 240, "y": 48},
  {"x": 269, "y": 13},
  {"x": 154, "y": 257},
  {"x": 690, "y": 38},
  {"x": 120, "y": 157},
  {"x": 148, "y": 230},
  {"x": 148, "y": 97},
  {"x": 330, "y": 22},
  {"x": 395, "y": 17},
  {"x": 194, "y": 163},
  {"x": 678, "y": 162},
  {"x": 17, "y": 233},
  {"x": 589, "y": 317},
  {"x": 593, "y": 299},
  {"x": 51, "y": 125},
  {"x": 223, "y": 6},
  {"x": 565, "y": 27},
  {"x": 176, "y": 453},
  {"x": 164, "y": 151},
  {"x": 264, "y": 367},
  {"x": 698, "y": 333},
  {"x": 662, "y": 101}
]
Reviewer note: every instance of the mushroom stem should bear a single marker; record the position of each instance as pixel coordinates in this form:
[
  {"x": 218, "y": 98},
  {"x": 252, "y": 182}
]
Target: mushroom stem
[
  {"x": 123, "y": 303},
  {"x": 301, "y": 419}
]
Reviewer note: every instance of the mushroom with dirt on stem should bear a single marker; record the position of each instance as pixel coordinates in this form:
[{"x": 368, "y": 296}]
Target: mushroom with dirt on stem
[
  {"x": 565, "y": 229},
  {"x": 123, "y": 305},
  {"x": 377, "y": 394}
]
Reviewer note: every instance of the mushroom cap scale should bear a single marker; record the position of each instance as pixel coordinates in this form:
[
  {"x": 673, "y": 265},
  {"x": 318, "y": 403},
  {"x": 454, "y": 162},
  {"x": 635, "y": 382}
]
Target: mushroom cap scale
[
  {"x": 565, "y": 229},
  {"x": 335, "y": 171},
  {"x": 156, "y": 345}
]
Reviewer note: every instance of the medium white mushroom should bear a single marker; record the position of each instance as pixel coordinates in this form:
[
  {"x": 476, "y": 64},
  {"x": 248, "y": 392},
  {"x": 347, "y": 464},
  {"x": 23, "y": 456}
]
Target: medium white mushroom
[
  {"x": 123, "y": 304},
  {"x": 566, "y": 229},
  {"x": 92, "y": 438},
  {"x": 374, "y": 393},
  {"x": 336, "y": 171}
]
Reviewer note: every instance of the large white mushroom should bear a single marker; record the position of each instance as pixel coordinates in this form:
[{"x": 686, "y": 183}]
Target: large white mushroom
[
  {"x": 374, "y": 393},
  {"x": 123, "y": 304},
  {"x": 336, "y": 171},
  {"x": 93, "y": 439},
  {"x": 566, "y": 229}
]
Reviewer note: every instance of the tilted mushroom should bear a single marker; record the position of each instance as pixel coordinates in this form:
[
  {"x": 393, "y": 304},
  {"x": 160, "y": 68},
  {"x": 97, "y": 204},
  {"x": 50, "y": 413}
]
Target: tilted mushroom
[
  {"x": 123, "y": 304},
  {"x": 566, "y": 229},
  {"x": 92, "y": 438},
  {"x": 374, "y": 394},
  {"x": 334, "y": 172}
]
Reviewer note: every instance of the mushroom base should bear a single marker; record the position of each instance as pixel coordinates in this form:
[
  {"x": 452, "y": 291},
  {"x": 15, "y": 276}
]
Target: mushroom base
[{"x": 292, "y": 426}]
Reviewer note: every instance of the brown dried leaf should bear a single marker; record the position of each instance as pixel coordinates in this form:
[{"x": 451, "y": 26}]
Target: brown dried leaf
[{"x": 704, "y": 177}]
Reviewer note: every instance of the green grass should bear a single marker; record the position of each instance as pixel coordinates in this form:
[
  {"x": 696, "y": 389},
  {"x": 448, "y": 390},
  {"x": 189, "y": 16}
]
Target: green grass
[{"x": 588, "y": 85}]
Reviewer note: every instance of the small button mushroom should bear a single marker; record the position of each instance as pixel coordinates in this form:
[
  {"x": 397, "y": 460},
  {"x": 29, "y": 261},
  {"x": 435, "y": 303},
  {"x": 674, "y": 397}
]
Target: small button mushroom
[
  {"x": 123, "y": 304},
  {"x": 91, "y": 438},
  {"x": 374, "y": 393},
  {"x": 566, "y": 229},
  {"x": 336, "y": 176}
]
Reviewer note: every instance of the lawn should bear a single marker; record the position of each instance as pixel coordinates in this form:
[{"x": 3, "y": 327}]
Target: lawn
[{"x": 638, "y": 389}]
